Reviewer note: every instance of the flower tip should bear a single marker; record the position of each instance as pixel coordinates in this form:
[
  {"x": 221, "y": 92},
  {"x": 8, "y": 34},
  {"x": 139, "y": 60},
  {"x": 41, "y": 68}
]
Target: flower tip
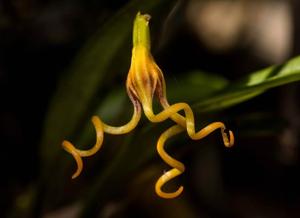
[
  {"x": 68, "y": 146},
  {"x": 230, "y": 141},
  {"x": 76, "y": 174},
  {"x": 145, "y": 17}
]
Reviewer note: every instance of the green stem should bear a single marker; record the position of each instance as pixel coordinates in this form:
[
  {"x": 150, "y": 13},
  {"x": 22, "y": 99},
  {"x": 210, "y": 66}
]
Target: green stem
[{"x": 141, "y": 33}]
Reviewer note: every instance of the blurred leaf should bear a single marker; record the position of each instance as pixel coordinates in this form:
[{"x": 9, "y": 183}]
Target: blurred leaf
[
  {"x": 194, "y": 85},
  {"x": 251, "y": 86}
]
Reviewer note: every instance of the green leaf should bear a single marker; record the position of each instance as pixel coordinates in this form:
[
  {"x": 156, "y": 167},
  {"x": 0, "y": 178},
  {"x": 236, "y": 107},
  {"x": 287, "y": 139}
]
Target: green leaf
[
  {"x": 194, "y": 85},
  {"x": 251, "y": 86}
]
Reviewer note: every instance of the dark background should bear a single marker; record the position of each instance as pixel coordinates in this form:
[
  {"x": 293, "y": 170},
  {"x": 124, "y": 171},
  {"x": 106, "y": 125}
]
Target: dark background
[{"x": 38, "y": 41}]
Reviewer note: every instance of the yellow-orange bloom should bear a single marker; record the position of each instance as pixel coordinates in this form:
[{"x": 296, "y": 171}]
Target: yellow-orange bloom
[{"x": 144, "y": 82}]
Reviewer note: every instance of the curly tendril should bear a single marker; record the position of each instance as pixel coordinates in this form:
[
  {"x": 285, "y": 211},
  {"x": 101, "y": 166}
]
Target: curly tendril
[
  {"x": 100, "y": 128},
  {"x": 144, "y": 81}
]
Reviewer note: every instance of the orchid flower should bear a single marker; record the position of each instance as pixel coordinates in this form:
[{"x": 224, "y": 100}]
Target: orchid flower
[{"x": 145, "y": 81}]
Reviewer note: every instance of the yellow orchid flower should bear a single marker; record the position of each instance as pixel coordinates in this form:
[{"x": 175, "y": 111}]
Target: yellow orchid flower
[{"x": 144, "y": 81}]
